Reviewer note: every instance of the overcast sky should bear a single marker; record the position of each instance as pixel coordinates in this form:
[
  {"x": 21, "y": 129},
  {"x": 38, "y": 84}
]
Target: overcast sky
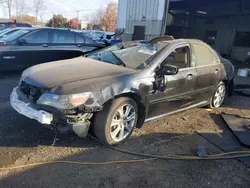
[{"x": 66, "y": 7}]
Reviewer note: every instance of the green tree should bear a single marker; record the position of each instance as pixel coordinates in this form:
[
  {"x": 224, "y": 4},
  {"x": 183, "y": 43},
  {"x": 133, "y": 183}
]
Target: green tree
[{"x": 57, "y": 21}]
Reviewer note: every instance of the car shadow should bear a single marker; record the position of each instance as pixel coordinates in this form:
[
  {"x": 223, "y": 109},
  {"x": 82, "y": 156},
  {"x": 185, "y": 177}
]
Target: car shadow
[
  {"x": 19, "y": 131},
  {"x": 237, "y": 101}
]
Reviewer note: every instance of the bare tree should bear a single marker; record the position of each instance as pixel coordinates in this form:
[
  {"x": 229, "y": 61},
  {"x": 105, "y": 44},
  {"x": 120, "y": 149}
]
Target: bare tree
[
  {"x": 9, "y": 5},
  {"x": 20, "y": 6},
  {"x": 4, "y": 9},
  {"x": 38, "y": 6},
  {"x": 41, "y": 17},
  {"x": 94, "y": 18}
]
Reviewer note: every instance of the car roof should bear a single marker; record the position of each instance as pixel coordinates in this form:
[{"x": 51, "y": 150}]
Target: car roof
[
  {"x": 22, "y": 28},
  {"x": 178, "y": 41}
]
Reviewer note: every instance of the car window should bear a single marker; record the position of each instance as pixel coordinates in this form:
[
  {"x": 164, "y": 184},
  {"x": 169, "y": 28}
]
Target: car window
[
  {"x": 5, "y": 31},
  {"x": 37, "y": 37},
  {"x": 133, "y": 56},
  {"x": 15, "y": 35},
  {"x": 96, "y": 34},
  {"x": 178, "y": 58},
  {"x": 60, "y": 37},
  {"x": 79, "y": 39},
  {"x": 11, "y": 31},
  {"x": 4, "y": 26},
  {"x": 203, "y": 55}
]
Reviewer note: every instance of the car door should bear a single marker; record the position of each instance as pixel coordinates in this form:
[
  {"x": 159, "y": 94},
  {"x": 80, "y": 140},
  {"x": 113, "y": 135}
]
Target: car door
[
  {"x": 31, "y": 49},
  {"x": 63, "y": 45},
  {"x": 208, "y": 69},
  {"x": 176, "y": 94},
  {"x": 6, "y": 57}
]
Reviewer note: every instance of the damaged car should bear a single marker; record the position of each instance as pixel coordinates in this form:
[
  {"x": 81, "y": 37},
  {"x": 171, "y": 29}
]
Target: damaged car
[{"x": 116, "y": 89}]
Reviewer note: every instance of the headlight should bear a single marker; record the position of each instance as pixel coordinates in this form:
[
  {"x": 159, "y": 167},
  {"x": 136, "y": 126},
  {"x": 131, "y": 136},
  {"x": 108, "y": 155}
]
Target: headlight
[{"x": 63, "y": 101}]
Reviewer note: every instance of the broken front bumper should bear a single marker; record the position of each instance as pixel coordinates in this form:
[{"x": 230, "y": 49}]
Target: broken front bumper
[
  {"x": 80, "y": 128},
  {"x": 26, "y": 110}
]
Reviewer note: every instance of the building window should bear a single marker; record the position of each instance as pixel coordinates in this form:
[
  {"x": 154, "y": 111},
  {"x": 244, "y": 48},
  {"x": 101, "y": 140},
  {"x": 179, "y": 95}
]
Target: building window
[
  {"x": 242, "y": 39},
  {"x": 210, "y": 37}
]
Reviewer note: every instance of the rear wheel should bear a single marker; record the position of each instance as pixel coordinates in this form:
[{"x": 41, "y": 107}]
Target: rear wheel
[
  {"x": 219, "y": 96},
  {"x": 116, "y": 122}
]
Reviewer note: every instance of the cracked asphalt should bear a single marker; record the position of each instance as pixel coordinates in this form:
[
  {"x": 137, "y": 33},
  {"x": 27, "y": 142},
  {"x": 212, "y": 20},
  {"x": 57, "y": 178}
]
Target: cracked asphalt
[{"x": 24, "y": 141}]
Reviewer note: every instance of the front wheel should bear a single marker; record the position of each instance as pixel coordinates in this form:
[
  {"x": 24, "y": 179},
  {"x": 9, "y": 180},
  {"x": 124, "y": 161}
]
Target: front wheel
[
  {"x": 219, "y": 96},
  {"x": 116, "y": 122}
]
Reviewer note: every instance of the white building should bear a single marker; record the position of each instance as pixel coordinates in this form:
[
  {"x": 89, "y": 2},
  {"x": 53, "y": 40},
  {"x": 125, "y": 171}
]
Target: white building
[{"x": 142, "y": 19}]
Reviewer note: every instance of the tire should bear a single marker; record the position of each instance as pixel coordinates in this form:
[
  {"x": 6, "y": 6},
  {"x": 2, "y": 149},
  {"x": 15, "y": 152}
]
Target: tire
[
  {"x": 218, "y": 96},
  {"x": 110, "y": 123}
]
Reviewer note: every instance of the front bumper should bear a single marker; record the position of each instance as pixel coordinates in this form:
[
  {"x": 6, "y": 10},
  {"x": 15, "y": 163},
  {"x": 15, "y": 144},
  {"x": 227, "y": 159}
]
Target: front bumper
[
  {"x": 80, "y": 128},
  {"x": 26, "y": 109}
]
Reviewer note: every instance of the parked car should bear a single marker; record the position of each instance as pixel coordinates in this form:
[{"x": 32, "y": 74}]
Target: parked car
[
  {"x": 88, "y": 38},
  {"x": 9, "y": 31},
  {"x": 117, "y": 89},
  {"x": 4, "y": 24},
  {"x": 32, "y": 46},
  {"x": 100, "y": 36}
]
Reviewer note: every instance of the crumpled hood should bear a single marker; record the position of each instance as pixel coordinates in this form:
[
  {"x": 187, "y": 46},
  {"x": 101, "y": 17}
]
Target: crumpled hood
[{"x": 49, "y": 75}]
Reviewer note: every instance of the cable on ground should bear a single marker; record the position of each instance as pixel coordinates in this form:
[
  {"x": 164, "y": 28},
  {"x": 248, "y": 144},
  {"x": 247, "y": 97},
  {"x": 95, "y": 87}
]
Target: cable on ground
[{"x": 147, "y": 157}]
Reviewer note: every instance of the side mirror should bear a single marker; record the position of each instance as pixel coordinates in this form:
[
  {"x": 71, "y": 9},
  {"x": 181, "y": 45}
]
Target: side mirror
[
  {"x": 170, "y": 70},
  {"x": 22, "y": 41}
]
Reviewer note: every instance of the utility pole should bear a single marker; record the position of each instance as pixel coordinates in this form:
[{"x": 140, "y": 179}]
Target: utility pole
[
  {"x": 4, "y": 10},
  {"x": 53, "y": 19},
  {"x": 77, "y": 14},
  {"x": 9, "y": 3}
]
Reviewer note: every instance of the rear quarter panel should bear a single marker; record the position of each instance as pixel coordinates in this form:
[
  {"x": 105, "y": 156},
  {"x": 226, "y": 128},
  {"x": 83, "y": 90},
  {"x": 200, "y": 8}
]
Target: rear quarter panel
[{"x": 227, "y": 69}]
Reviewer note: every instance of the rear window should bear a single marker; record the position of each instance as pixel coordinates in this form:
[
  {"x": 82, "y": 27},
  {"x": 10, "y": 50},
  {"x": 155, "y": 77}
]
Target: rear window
[
  {"x": 4, "y": 25},
  {"x": 62, "y": 37},
  {"x": 15, "y": 35},
  {"x": 203, "y": 55},
  {"x": 79, "y": 39},
  {"x": 8, "y": 32}
]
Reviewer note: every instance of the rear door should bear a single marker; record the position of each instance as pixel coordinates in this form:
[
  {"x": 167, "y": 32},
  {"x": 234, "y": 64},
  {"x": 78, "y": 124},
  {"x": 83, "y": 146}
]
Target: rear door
[
  {"x": 33, "y": 50},
  {"x": 208, "y": 68},
  {"x": 63, "y": 45},
  {"x": 176, "y": 94}
]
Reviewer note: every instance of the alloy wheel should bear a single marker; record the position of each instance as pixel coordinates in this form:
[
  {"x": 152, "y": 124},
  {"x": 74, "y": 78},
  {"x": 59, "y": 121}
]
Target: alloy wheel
[
  {"x": 219, "y": 96},
  {"x": 122, "y": 122}
]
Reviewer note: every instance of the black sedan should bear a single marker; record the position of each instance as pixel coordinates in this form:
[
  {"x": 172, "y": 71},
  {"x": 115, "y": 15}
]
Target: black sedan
[
  {"x": 119, "y": 88},
  {"x": 31, "y": 46}
]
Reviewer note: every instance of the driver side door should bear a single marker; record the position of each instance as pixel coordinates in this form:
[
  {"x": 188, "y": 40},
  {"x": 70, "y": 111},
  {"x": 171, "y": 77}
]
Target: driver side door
[
  {"x": 174, "y": 91},
  {"x": 34, "y": 49}
]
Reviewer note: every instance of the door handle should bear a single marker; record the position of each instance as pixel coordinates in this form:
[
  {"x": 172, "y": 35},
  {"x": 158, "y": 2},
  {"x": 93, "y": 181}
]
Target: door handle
[
  {"x": 45, "y": 45},
  {"x": 190, "y": 77},
  {"x": 216, "y": 71},
  {"x": 79, "y": 45}
]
